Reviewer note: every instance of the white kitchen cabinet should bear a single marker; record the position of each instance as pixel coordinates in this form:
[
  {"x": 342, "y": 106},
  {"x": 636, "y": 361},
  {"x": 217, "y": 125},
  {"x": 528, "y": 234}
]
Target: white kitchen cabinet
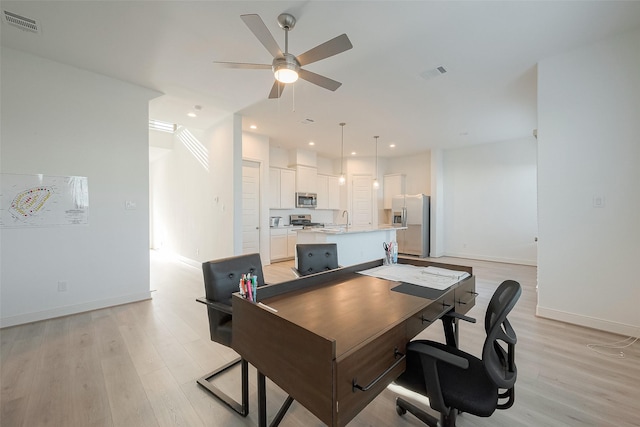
[
  {"x": 333, "y": 187},
  {"x": 393, "y": 185},
  {"x": 283, "y": 243},
  {"x": 279, "y": 244},
  {"x": 306, "y": 179},
  {"x": 323, "y": 192},
  {"x": 282, "y": 188},
  {"x": 328, "y": 191}
]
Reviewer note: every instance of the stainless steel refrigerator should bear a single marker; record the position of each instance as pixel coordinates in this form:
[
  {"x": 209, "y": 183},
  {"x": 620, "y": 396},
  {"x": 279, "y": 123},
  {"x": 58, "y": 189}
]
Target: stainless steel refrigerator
[{"x": 411, "y": 211}]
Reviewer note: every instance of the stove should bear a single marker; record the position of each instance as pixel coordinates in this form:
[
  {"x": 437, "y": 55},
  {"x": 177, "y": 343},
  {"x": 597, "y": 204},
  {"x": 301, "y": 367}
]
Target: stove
[{"x": 304, "y": 221}]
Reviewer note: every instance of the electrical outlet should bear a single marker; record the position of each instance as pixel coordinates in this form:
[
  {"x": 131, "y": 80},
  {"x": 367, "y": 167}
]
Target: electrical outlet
[
  {"x": 598, "y": 201},
  {"x": 62, "y": 286}
]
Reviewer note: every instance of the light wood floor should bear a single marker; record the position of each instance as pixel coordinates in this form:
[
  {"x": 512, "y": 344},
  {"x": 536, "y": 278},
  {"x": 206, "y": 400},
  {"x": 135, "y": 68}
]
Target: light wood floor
[{"x": 137, "y": 365}]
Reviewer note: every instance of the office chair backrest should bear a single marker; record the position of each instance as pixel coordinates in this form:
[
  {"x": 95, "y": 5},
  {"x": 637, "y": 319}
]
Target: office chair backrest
[
  {"x": 498, "y": 362},
  {"x": 316, "y": 257},
  {"x": 222, "y": 276},
  {"x": 221, "y": 280}
]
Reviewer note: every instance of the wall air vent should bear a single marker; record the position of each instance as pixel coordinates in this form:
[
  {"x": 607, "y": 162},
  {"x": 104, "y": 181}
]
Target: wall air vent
[
  {"x": 429, "y": 74},
  {"x": 21, "y": 22}
]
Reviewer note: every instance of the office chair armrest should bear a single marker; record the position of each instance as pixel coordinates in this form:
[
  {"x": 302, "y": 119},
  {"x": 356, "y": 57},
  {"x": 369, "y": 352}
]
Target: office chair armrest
[
  {"x": 460, "y": 316},
  {"x": 428, "y": 358},
  {"x": 438, "y": 354},
  {"x": 216, "y": 305}
]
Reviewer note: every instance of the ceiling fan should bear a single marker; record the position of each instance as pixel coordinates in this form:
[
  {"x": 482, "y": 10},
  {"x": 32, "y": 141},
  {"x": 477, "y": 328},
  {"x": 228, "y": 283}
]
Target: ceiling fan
[{"x": 285, "y": 66}]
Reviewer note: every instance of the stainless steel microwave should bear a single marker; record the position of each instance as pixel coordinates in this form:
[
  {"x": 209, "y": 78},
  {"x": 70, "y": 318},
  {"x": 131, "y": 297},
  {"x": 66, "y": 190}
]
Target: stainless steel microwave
[{"x": 306, "y": 200}]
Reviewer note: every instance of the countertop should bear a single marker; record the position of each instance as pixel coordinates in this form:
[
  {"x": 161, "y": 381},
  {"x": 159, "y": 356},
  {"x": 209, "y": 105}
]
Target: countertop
[{"x": 351, "y": 229}]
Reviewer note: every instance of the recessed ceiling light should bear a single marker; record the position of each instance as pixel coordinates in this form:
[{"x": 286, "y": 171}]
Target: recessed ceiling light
[
  {"x": 312, "y": 143},
  {"x": 353, "y": 153},
  {"x": 392, "y": 145},
  {"x": 191, "y": 114},
  {"x": 253, "y": 127}
]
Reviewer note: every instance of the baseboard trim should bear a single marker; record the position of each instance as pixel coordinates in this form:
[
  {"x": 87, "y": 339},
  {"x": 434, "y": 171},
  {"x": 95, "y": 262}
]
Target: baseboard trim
[
  {"x": 21, "y": 319},
  {"x": 518, "y": 261},
  {"x": 589, "y": 322}
]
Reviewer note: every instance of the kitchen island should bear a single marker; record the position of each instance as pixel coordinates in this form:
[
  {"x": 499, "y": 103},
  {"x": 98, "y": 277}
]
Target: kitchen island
[{"x": 355, "y": 244}]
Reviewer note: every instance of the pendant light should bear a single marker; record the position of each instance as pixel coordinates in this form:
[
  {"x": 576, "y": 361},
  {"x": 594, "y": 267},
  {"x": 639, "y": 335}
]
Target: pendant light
[
  {"x": 342, "y": 179},
  {"x": 376, "y": 184}
]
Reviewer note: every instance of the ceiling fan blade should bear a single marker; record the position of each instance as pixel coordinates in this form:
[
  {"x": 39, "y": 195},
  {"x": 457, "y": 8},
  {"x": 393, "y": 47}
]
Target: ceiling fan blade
[
  {"x": 246, "y": 65},
  {"x": 319, "y": 80},
  {"x": 332, "y": 47},
  {"x": 276, "y": 90},
  {"x": 262, "y": 33}
]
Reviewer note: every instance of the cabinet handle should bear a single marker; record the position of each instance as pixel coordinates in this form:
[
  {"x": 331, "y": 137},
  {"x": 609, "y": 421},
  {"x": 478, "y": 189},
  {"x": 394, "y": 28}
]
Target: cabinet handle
[
  {"x": 355, "y": 385},
  {"x": 424, "y": 319}
]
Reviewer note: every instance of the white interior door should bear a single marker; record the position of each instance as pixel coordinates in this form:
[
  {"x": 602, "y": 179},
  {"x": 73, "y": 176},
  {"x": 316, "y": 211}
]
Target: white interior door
[
  {"x": 250, "y": 207},
  {"x": 361, "y": 201}
]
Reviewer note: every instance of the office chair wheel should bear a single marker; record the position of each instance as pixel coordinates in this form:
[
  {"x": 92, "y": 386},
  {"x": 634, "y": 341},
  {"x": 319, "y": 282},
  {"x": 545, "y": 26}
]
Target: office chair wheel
[{"x": 400, "y": 410}]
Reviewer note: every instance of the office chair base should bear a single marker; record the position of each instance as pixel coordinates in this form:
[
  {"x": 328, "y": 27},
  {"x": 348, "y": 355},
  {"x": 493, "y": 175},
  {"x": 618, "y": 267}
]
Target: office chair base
[
  {"x": 240, "y": 408},
  {"x": 448, "y": 420}
]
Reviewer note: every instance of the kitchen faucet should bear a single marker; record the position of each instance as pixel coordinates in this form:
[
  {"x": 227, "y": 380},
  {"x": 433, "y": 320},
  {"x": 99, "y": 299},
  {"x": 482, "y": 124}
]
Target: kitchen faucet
[{"x": 346, "y": 212}]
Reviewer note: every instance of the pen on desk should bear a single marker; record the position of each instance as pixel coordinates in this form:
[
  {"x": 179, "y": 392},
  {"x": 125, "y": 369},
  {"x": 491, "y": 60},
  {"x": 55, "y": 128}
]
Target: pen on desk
[
  {"x": 254, "y": 285},
  {"x": 250, "y": 293},
  {"x": 267, "y": 307}
]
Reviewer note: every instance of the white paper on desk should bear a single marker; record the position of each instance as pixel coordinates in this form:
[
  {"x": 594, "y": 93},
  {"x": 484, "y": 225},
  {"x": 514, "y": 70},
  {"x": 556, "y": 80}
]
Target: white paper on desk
[{"x": 439, "y": 278}]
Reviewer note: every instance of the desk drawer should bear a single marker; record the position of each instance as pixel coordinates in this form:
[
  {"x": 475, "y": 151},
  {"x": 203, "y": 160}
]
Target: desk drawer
[
  {"x": 465, "y": 295},
  {"x": 430, "y": 314},
  {"x": 364, "y": 366}
]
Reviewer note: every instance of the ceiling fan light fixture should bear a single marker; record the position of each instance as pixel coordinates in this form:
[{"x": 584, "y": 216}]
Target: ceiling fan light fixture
[
  {"x": 285, "y": 70},
  {"x": 286, "y": 75}
]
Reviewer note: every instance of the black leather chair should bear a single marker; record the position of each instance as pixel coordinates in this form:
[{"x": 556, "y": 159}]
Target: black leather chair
[
  {"x": 455, "y": 381},
  {"x": 221, "y": 280},
  {"x": 315, "y": 258}
]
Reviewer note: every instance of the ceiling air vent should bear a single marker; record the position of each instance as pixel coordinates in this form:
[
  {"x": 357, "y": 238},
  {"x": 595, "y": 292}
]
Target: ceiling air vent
[
  {"x": 429, "y": 74},
  {"x": 21, "y": 22}
]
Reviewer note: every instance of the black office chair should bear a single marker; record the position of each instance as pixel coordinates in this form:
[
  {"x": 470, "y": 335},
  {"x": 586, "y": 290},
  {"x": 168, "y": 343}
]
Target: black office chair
[
  {"x": 455, "y": 381},
  {"x": 316, "y": 258},
  {"x": 221, "y": 280}
]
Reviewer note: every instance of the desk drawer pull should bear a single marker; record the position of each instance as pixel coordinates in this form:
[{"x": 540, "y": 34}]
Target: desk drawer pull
[{"x": 355, "y": 385}]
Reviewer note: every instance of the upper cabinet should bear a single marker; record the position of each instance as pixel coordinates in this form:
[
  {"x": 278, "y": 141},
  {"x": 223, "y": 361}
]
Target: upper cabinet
[
  {"x": 393, "y": 185},
  {"x": 328, "y": 190},
  {"x": 306, "y": 179},
  {"x": 282, "y": 188}
]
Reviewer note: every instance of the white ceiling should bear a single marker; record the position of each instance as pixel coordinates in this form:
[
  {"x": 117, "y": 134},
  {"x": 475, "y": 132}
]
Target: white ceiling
[{"x": 489, "y": 49}]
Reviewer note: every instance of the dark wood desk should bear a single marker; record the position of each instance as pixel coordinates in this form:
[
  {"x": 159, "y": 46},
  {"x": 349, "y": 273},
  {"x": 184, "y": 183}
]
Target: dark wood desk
[{"x": 337, "y": 338}]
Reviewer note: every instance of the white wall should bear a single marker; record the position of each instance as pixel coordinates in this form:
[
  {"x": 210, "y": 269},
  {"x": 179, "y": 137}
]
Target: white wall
[
  {"x": 416, "y": 168},
  {"x": 60, "y": 120},
  {"x": 194, "y": 196},
  {"x": 589, "y": 147},
  {"x": 490, "y": 202}
]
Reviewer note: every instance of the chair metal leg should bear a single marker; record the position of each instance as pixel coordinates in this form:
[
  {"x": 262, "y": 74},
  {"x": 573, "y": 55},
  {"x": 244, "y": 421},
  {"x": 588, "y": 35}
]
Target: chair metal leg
[
  {"x": 262, "y": 404},
  {"x": 240, "y": 408}
]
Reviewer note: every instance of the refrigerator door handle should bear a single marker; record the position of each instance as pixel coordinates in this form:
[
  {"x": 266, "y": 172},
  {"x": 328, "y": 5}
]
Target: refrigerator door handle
[{"x": 404, "y": 216}]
